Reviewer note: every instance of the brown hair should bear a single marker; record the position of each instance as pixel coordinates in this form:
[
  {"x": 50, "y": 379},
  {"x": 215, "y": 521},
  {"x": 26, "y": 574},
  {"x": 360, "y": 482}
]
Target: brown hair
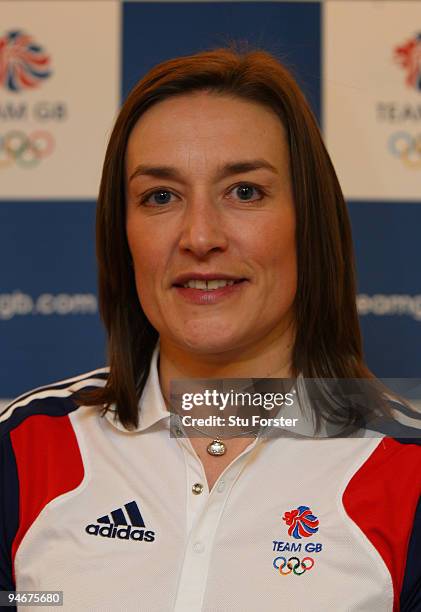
[{"x": 328, "y": 339}]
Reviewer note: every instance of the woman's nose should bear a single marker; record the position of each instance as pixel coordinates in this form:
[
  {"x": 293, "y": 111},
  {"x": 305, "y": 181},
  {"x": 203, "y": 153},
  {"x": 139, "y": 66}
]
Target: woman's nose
[{"x": 203, "y": 228}]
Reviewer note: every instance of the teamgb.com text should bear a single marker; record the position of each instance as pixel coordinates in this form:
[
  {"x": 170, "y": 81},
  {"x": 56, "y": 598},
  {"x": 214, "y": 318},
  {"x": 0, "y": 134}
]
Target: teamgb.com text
[{"x": 21, "y": 304}]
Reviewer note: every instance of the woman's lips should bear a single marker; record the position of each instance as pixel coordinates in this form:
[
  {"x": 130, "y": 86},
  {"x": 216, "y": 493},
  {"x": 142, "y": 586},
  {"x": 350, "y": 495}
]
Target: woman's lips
[{"x": 207, "y": 297}]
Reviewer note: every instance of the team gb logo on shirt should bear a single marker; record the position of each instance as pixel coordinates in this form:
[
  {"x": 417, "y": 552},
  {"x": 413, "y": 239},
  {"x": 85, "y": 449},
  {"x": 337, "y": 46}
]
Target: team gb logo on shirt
[{"x": 302, "y": 522}]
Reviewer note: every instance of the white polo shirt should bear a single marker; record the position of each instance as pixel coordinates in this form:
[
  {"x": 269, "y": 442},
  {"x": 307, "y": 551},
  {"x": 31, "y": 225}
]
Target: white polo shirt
[{"x": 121, "y": 520}]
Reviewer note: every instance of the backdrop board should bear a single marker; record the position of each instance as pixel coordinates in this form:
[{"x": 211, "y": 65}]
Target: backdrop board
[{"x": 372, "y": 125}]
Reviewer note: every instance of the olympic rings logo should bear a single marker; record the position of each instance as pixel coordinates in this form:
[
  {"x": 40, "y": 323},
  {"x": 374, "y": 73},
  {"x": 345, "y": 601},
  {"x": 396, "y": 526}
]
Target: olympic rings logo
[
  {"x": 407, "y": 147},
  {"x": 294, "y": 565},
  {"x": 26, "y": 150}
]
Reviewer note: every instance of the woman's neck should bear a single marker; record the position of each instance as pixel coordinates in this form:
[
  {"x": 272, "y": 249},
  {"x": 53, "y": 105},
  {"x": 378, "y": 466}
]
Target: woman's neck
[{"x": 274, "y": 360}]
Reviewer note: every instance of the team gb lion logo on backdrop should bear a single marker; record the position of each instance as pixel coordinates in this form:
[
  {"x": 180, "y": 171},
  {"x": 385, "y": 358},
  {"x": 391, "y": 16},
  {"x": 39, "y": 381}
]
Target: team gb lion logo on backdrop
[{"x": 409, "y": 57}]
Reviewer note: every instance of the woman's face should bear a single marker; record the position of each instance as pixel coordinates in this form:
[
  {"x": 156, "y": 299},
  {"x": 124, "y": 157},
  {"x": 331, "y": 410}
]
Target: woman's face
[{"x": 211, "y": 223}]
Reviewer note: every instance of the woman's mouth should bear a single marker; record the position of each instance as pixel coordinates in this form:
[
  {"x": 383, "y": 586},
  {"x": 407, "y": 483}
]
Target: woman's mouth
[{"x": 209, "y": 291}]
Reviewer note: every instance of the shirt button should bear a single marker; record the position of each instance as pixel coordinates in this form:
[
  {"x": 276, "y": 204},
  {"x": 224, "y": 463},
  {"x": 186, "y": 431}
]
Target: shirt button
[
  {"x": 197, "y": 488},
  {"x": 221, "y": 486},
  {"x": 198, "y": 547}
]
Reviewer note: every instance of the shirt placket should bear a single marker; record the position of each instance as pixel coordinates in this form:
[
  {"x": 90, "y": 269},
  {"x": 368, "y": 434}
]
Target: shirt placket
[{"x": 204, "y": 511}]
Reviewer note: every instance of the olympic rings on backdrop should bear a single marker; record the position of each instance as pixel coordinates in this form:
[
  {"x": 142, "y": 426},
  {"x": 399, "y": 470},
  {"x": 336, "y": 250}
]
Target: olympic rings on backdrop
[
  {"x": 407, "y": 147},
  {"x": 293, "y": 564},
  {"x": 25, "y": 150}
]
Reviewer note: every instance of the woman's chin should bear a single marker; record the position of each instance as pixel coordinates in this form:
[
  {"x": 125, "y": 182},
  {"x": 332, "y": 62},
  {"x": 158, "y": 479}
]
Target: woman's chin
[
  {"x": 206, "y": 343},
  {"x": 208, "y": 346}
]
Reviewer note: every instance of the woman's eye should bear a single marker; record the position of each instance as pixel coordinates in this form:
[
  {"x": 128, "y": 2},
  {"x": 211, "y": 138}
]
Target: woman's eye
[
  {"x": 158, "y": 197},
  {"x": 247, "y": 193},
  {"x": 243, "y": 193}
]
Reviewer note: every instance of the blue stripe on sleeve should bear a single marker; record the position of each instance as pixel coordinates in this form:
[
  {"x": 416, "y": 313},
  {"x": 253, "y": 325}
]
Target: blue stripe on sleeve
[
  {"x": 411, "y": 589},
  {"x": 9, "y": 512}
]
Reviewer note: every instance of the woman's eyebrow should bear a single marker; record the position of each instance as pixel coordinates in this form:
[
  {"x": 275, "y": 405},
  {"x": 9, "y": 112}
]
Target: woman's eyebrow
[
  {"x": 166, "y": 172},
  {"x": 228, "y": 169},
  {"x": 238, "y": 167}
]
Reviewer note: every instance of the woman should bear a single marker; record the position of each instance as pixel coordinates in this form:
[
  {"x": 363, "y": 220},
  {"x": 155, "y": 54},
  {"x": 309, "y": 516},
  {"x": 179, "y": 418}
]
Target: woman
[{"x": 222, "y": 233}]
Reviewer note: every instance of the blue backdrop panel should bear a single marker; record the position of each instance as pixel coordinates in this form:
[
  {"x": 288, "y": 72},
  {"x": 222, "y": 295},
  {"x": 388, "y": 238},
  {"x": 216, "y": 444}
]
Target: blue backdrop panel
[
  {"x": 388, "y": 252},
  {"x": 47, "y": 255},
  {"x": 154, "y": 32}
]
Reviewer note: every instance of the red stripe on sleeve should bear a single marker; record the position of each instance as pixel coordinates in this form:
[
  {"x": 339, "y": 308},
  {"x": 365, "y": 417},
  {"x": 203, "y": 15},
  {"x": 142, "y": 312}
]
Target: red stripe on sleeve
[
  {"x": 49, "y": 464},
  {"x": 381, "y": 498}
]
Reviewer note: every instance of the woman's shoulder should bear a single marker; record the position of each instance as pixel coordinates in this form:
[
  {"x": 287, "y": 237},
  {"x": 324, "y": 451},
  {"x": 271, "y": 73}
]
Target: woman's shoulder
[
  {"x": 41, "y": 457},
  {"x": 53, "y": 400}
]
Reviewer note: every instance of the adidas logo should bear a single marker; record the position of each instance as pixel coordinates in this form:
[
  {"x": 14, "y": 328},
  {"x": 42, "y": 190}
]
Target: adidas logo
[{"x": 128, "y": 525}]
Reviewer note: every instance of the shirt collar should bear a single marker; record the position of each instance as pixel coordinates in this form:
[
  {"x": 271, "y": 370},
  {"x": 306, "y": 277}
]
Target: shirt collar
[
  {"x": 151, "y": 405},
  {"x": 152, "y": 408}
]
